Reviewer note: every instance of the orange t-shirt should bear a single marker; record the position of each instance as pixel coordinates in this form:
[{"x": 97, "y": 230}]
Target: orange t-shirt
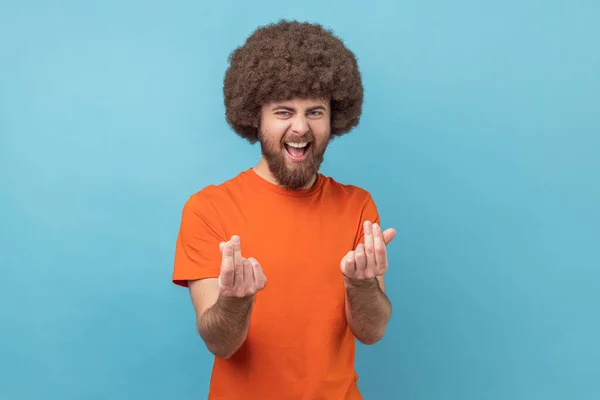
[{"x": 299, "y": 345}]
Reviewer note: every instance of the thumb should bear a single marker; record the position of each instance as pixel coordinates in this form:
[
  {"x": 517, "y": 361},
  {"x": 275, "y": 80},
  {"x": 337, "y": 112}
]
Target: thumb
[{"x": 388, "y": 235}]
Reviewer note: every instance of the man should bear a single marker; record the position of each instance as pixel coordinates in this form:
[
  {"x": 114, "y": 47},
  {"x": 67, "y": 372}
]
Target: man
[{"x": 284, "y": 265}]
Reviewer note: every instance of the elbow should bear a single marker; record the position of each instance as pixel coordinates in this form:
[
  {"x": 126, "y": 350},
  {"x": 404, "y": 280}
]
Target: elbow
[
  {"x": 217, "y": 349},
  {"x": 221, "y": 353},
  {"x": 370, "y": 339}
]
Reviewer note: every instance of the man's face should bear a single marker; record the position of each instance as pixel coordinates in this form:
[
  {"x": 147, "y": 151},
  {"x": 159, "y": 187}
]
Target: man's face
[{"x": 293, "y": 136}]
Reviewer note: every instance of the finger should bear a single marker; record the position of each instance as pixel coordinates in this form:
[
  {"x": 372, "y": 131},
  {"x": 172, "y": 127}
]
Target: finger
[
  {"x": 260, "y": 280},
  {"x": 348, "y": 265},
  {"x": 380, "y": 251},
  {"x": 369, "y": 245},
  {"x": 248, "y": 277},
  {"x": 237, "y": 261},
  {"x": 221, "y": 247},
  {"x": 360, "y": 261},
  {"x": 389, "y": 235},
  {"x": 249, "y": 272},
  {"x": 227, "y": 267}
]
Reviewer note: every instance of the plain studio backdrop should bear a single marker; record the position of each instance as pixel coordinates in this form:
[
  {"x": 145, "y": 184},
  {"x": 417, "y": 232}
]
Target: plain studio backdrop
[{"x": 479, "y": 142}]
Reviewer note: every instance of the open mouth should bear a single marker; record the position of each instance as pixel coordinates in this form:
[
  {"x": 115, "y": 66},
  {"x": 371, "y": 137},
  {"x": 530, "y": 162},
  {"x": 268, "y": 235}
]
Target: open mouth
[{"x": 296, "y": 150}]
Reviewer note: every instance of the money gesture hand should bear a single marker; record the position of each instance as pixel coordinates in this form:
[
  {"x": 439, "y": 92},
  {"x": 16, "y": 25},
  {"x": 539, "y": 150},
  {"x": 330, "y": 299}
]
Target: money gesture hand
[
  {"x": 239, "y": 277},
  {"x": 368, "y": 260}
]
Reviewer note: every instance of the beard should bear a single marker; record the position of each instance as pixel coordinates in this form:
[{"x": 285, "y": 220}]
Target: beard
[{"x": 293, "y": 175}]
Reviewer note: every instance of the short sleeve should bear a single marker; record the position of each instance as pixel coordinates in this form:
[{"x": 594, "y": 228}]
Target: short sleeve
[
  {"x": 197, "y": 254},
  {"x": 369, "y": 213}
]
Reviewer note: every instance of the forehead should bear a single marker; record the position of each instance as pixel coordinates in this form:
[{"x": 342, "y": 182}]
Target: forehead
[{"x": 298, "y": 103}]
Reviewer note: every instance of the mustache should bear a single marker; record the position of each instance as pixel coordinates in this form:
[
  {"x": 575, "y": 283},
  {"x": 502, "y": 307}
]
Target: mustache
[
  {"x": 306, "y": 138},
  {"x": 299, "y": 139}
]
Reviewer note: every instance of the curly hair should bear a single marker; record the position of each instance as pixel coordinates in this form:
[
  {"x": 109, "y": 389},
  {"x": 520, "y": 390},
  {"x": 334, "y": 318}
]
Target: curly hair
[{"x": 286, "y": 60}]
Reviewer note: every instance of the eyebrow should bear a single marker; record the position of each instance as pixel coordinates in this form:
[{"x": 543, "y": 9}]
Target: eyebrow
[{"x": 280, "y": 107}]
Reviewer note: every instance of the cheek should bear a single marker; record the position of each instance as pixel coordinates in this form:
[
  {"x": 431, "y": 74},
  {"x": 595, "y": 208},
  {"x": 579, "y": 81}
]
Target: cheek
[
  {"x": 273, "y": 141},
  {"x": 276, "y": 131},
  {"x": 321, "y": 138},
  {"x": 320, "y": 129}
]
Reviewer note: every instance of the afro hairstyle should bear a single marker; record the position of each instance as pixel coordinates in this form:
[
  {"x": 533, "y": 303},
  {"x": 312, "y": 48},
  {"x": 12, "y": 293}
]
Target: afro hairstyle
[{"x": 286, "y": 60}]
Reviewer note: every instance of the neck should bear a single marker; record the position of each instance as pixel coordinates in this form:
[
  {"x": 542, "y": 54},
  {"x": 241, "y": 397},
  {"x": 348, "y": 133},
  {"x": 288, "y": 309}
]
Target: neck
[{"x": 262, "y": 170}]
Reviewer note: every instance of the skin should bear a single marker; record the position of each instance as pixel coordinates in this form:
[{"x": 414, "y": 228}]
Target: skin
[
  {"x": 368, "y": 309},
  {"x": 223, "y": 305},
  {"x": 298, "y": 120}
]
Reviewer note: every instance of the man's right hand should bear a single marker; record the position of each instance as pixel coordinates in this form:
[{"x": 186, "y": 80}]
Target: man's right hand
[
  {"x": 223, "y": 308},
  {"x": 239, "y": 277}
]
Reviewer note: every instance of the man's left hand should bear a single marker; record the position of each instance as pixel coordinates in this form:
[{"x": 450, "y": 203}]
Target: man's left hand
[{"x": 369, "y": 259}]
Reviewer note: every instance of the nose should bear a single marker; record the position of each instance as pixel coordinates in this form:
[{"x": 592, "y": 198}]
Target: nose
[{"x": 300, "y": 125}]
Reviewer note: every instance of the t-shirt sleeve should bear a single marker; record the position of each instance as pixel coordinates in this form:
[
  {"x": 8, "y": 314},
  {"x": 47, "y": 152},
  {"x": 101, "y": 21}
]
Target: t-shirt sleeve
[
  {"x": 197, "y": 254},
  {"x": 369, "y": 213}
]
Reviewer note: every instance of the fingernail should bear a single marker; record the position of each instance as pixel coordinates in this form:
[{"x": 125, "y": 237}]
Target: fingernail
[{"x": 375, "y": 226}]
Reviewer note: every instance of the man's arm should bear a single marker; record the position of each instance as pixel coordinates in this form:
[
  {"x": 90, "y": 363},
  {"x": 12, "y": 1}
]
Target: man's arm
[
  {"x": 221, "y": 322},
  {"x": 223, "y": 310},
  {"x": 368, "y": 309}
]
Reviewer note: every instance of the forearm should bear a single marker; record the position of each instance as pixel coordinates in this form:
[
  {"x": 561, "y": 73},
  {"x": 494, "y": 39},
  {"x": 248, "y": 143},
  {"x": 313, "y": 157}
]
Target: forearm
[
  {"x": 368, "y": 310},
  {"x": 224, "y": 326}
]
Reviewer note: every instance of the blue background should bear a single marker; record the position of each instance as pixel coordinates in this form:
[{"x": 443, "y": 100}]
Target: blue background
[{"x": 479, "y": 142}]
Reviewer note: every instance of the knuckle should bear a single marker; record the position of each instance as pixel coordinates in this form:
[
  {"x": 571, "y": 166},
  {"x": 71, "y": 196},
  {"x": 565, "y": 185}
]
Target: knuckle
[
  {"x": 254, "y": 263},
  {"x": 226, "y": 267}
]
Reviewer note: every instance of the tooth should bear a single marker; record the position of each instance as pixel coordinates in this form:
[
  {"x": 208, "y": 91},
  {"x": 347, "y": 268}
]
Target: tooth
[{"x": 297, "y": 145}]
